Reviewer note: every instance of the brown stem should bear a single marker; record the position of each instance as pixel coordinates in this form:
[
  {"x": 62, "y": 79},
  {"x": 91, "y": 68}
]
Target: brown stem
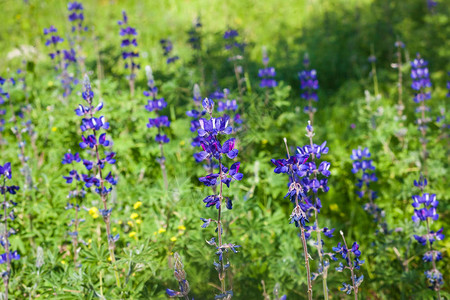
[
  {"x": 6, "y": 241},
  {"x": 222, "y": 274}
]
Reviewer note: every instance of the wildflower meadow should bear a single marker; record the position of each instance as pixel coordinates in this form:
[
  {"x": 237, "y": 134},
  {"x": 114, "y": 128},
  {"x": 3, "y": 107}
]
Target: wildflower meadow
[{"x": 232, "y": 149}]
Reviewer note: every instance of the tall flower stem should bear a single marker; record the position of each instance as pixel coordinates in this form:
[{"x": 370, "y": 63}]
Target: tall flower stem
[
  {"x": 222, "y": 274},
  {"x": 350, "y": 267},
  {"x": 316, "y": 215},
  {"x": 6, "y": 241},
  {"x": 305, "y": 252},
  {"x": 106, "y": 217},
  {"x": 303, "y": 236}
]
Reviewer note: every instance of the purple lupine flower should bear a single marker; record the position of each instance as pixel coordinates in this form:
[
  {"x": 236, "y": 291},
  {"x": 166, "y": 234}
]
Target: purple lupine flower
[
  {"x": 425, "y": 210},
  {"x": 167, "y": 46},
  {"x": 7, "y": 214},
  {"x": 229, "y": 106},
  {"x": 4, "y": 99},
  {"x": 214, "y": 149},
  {"x": 309, "y": 86},
  {"x": 62, "y": 59},
  {"x": 195, "y": 114},
  {"x": 129, "y": 49},
  {"x": 95, "y": 178},
  {"x": 75, "y": 198},
  {"x": 267, "y": 74},
  {"x": 352, "y": 262},
  {"x": 76, "y": 16},
  {"x": 361, "y": 162},
  {"x": 236, "y": 48},
  {"x": 195, "y": 38},
  {"x": 155, "y": 104}
]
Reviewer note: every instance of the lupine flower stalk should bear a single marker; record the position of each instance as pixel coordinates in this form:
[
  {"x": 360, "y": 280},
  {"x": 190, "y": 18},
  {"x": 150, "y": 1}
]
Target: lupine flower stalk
[
  {"x": 156, "y": 104},
  {"x": 311, "y": 183},
  {"x": 230, "y": 105},
  {"x": 75, "y": 198},
  {"x": 4, "y": 100},
  {"x": 296, "y": 193},
  {"x": 129, "y": 50},
  {"x": 309, "y": 85},
  {"x": 61, "y": 59},
  {"x": 7, "y": 214},
  {"x": 195, "y": 40},
  {"x": 425, "y": 206},
  {"x": 76, "y": 17},
  {"x": 352, "y": 262},
  {"x": 236, "y": 50},
  {"x": 361, "y": 162},
  {"x": 267, "y": 75},
  {"x": 180, "y": 276},
  {"x": 210, "y": 132},
  {"x": 195, "y": 114},
  {"x": 420, "y": 84},
  {"x": 93, "y": 125},
  {"x": 167, "y": 47}
]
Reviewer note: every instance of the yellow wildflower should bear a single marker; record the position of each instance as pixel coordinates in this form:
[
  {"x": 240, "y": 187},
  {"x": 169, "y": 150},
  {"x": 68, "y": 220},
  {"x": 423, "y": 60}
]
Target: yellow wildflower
[
  {"x": 161, "y": 230},
  {"x": 181, "y": 227},
  {"x": 132, "y": 234},
  {"x": 134, "y": 216},
  {"x": 63, "y": 262},
  {"x": 137, "y": 205},
  {"x": 130, "y": 223},
  {"x": 54, "y": 129},
  {"x": 139, "y": 222},
  {"x": 93, "y": 211},
  {"x": 334, "y": 207},
  {"x": 114, "y": 229},
  {"x": 173, "y": 239}
]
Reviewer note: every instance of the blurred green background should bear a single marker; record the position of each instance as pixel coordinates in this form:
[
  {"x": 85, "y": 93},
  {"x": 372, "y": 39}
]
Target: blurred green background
[{"x": 338, "y": 37}]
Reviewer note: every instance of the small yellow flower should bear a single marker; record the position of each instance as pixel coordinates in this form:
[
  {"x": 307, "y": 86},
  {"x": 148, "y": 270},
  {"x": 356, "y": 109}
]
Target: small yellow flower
[
  {"x": 114, "y": 229},
  {"x": 120, "y": 222},
  {"x": 132, "y": 234},
  {"x": 130, "y": 224},
  {"x": 137, "y": 205},
  {"x": 161, "y": 230},
  {"x": 134, "y": 216},
  {"x": 182, "y": 143},
  {"x": 93, "y": 211},
  {"x": 155, "y": 233},
  {"x": 63, "y": 262},
  {"x": 173, "y": 239},
  {"x": 109, "y": 258},
  {"x": 54, "y": 129},
  {"x": 50, "y": 83},
  {"x": 181, "y": 227},
  {"x": 89, "y": 241},
  {"x": 334, "y": 207},
  {"x": 264, "y": 141},
  {"x": 139, "y": 222}
]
